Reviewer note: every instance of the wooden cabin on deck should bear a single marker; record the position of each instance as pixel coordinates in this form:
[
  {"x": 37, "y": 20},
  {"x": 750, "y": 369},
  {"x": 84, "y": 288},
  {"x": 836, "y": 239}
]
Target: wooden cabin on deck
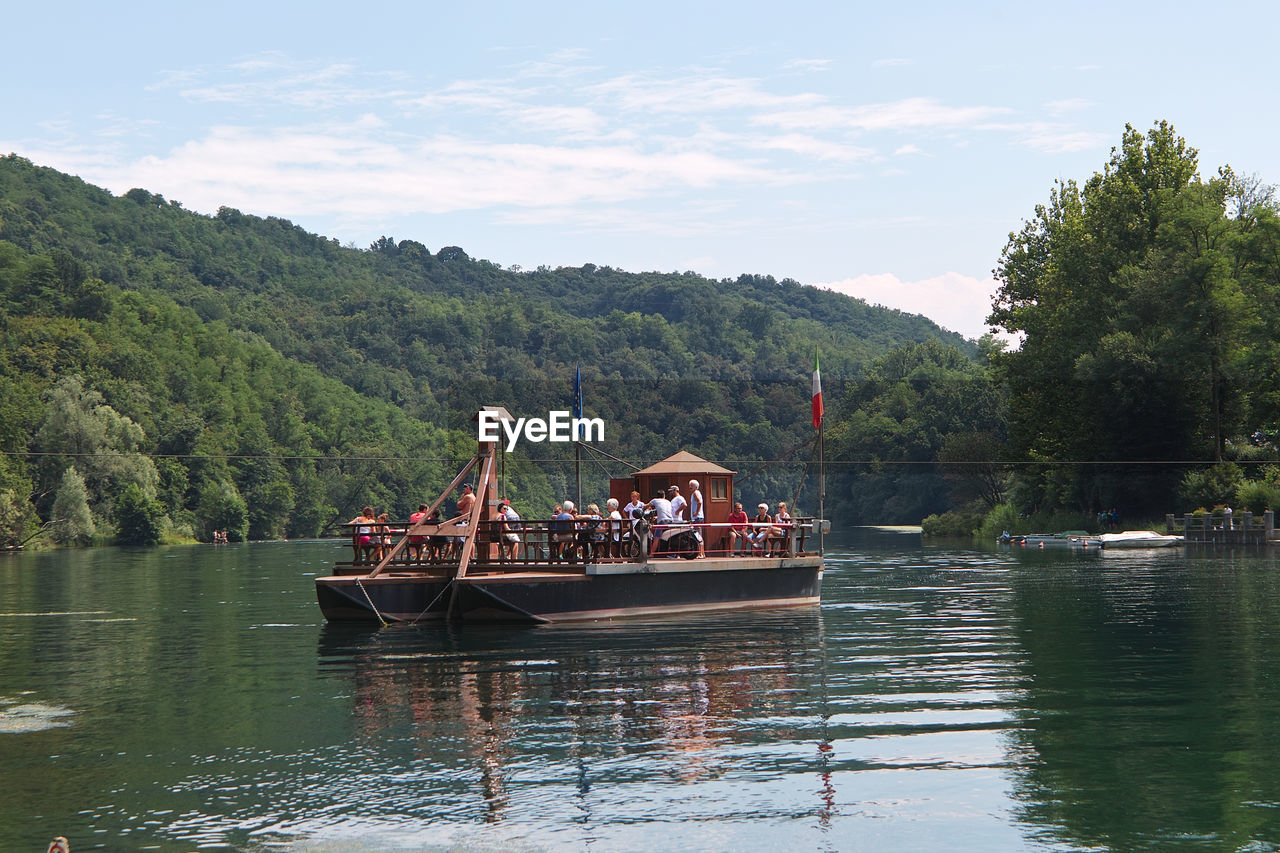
[{"x": 715, "y": 482}]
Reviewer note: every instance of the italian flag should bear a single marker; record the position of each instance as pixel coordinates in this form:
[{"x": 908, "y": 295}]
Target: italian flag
[{"x": 817, "y": 394}]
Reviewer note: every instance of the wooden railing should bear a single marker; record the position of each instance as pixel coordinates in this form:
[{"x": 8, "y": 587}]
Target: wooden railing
[
  {"x": 547, "y": 542},
  {"x": 1235, "y": 528}
]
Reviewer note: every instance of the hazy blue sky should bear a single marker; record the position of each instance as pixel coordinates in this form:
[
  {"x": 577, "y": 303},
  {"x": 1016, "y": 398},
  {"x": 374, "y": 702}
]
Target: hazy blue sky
[{"x": 884, "y": 150}]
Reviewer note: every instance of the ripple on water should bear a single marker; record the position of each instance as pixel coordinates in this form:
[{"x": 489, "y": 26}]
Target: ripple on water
[{"x": 18, "y": 717}]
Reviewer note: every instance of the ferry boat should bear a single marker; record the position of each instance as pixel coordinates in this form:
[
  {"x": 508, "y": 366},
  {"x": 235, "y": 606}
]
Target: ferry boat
[{"x": 437, "y": 570}]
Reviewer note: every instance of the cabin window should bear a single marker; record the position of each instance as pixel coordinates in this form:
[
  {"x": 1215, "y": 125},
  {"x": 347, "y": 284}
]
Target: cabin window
[{"x": 718, "y": 489}]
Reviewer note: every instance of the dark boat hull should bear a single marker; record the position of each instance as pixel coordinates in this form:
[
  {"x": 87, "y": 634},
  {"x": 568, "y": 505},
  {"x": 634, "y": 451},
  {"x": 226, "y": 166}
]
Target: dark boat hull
[{"x": 600, "y": 592}]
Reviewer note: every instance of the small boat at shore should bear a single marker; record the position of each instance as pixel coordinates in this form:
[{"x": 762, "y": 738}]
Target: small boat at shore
[
  {"x": 1138, "y": 539},
  {"x": 549, "y": 581},
  {"x": 1065, "y": 539}
]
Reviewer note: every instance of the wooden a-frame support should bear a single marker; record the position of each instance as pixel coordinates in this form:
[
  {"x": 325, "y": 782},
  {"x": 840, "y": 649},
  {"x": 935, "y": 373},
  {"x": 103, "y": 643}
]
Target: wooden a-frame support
[{"x": 468, "y": 526}]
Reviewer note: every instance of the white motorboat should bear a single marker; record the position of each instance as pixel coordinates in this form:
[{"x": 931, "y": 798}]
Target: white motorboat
[{"x": 1138, "y": 539}]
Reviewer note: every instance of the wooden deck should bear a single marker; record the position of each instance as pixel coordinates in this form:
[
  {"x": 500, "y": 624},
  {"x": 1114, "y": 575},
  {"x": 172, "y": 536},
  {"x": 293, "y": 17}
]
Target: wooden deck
[{"x": 1243, "y": 528}]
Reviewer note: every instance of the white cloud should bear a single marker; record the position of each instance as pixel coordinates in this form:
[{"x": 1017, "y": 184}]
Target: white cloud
[
  {"x": 699, "y": 93},
  {"x": 954, "y": 301},
  {"x": 275, "y": 80},
  {"x": 892, "y": 62},
  {"x": 819, "y": 149},
  {"x": 907, "y": 114},
  {"x": 1051, "y": 137},
  {"x": 359, "y": 169},
  {"x": 807, "y": 64}
]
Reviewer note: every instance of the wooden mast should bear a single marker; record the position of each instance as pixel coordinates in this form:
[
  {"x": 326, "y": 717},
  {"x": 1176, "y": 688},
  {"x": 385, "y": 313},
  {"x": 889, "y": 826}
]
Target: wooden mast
[{"x": 484, "y": 507}]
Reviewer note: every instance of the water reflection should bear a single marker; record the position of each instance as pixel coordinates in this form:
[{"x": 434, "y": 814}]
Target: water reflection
[
  {"x": 1150, "y": 689},
  {"x": 663, "y": 702},
  {"x": 940, "y": 698}
]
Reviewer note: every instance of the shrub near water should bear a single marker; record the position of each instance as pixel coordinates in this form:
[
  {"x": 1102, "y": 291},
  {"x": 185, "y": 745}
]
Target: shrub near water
[
  {"x": 1213, "y": 485},
  {"x": 1257, "y": 496},
  {"x": 1006, "y": 517},
  {"x": 952, "y": 524}
]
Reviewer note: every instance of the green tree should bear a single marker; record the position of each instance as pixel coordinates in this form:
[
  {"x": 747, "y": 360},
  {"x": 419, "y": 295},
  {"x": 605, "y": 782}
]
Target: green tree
[
  {"x": 80, "y": 429},
  {"x": 222, "y": 508},
  {"x": 1136, "y": 298},
  {"x": 16, "y": 515},
  {"x": 140, "y": 520},
  {"x": 71, "y": 517}
]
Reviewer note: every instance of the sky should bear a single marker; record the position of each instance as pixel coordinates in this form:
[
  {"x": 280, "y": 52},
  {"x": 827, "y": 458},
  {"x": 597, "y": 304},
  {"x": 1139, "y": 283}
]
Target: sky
[{"x": 885, "y": 151}]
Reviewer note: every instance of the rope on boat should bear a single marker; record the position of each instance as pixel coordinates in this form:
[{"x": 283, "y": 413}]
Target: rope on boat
[
  {"x": 593, "y": 449},
  {"x": 372, "y": 606},
  {"x": 442, "y": 591}
]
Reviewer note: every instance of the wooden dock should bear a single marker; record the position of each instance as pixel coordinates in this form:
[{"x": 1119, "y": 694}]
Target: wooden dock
[{"x": 1236, "y": 529}]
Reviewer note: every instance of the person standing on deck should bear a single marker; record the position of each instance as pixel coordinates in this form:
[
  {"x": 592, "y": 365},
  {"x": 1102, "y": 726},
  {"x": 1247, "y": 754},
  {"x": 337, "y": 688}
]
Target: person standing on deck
[
  {"x": 416, "y": 543},
  {"x": 629, "y": 511},
  {"x": 662, "y": 517},
  {"x": 678, "y": 503},
  {"x": 698, "y": 515}
]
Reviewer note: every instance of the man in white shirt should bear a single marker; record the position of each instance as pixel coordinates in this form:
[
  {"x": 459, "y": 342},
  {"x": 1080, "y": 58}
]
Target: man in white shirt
[
  {"x": 678, "y": 502},
  {"x": 662, "y": 509}
]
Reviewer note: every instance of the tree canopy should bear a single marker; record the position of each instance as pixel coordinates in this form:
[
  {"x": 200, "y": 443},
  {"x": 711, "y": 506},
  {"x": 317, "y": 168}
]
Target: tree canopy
[
  {"x": 246, "y": 375},
  {"x": 1146, "y": 303}
]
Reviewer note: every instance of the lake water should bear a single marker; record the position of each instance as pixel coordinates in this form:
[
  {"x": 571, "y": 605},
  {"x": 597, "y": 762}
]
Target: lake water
[{"x": 941, "y": 698}]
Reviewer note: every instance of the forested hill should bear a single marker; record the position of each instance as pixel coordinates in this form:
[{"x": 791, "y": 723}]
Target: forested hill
[{"x": 194, "y": 364}]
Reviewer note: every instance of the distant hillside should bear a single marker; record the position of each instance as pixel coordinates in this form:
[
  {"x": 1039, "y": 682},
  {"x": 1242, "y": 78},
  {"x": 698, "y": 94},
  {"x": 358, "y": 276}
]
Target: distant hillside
[{"x": 244, "y": 348}]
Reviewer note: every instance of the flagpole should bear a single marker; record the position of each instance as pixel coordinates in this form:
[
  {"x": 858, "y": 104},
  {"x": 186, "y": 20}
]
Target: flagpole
[
  {"x": 577, "y": 445},
  {"x": 822, "y": 487},
  {"x": 822, "y": 463}
]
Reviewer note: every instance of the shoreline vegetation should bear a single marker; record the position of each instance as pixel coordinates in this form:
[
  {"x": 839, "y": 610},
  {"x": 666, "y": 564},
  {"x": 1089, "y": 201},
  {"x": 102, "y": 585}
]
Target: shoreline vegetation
[{"x": 165, "y": 374}]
